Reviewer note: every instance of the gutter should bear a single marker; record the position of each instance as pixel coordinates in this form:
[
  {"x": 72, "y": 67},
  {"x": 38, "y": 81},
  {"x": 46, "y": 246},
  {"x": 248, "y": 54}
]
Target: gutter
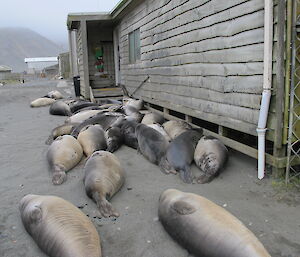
[{"x": 267, "y": 85}]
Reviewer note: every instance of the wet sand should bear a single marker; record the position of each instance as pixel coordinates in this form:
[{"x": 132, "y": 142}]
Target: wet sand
[{"x": 137, "y": 232}]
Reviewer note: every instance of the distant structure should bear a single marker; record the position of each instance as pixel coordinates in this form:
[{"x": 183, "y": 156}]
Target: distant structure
[
  {"x": 36, "y": 65},
  {"x": 4, "y": 71},
  {"x": 64, "y": 65}
]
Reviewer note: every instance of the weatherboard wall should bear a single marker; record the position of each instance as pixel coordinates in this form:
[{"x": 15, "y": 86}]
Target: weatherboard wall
[{"x": 203, "y": 57}]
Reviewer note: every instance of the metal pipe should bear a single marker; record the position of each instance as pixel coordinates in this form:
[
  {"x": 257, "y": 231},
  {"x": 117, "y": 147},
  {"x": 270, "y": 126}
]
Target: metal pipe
[{"x": 267, "y": 84}]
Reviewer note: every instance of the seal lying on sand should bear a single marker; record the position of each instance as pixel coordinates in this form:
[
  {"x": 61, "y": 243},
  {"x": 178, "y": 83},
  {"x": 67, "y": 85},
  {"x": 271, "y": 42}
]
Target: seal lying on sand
[
  {"x": 58, "y": 227},
  {"x": 151, "y": 143},
  {"x": 54, "y": 94},
  {"x": 60, "y": 108},
  {"x": 180, "y": 154},
  {"x": 161, "y": 130},
  {"x": 61, "y": 130},
  {"x": 103, "y": 119},
  {"x": 82, "y": 116},
  {"x": 151, "y": 118},
  {"x": 103, "y": 177},
  {"x": 114, "y": 139},
  {"x": 206, "y": 229},
  {"x": 210, "y": 156},
  {"x": 176, "y": 127},
  {"x": 63, "y": 154},
  {"x": 92, "y": 139},
  {"x": 43, "y": 101}
]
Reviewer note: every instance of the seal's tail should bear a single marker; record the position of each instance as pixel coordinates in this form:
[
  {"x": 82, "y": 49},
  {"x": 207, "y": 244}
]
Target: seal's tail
[
  {"x": 186, "y": 174},
  {"x": 165, "y": 166},
  {"x": 105, "y": 207}
]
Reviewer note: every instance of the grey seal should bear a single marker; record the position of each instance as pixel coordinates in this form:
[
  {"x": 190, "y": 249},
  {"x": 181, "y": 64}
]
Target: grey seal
[
  {"x": 58, "y": 227},
  {"x": 210, "y": 156},
  {"x": 63, "y": 154},
  {"x": 180, "y": 154},
  {"x": 176, "y": 127},
  {"x": 92, "y": 138},
  {"x": 114, "y": 139},
  {"x": 151, "y": 143},
  {"x": 206, "y": 229},
  {"x": 103, "y": 177},
  {"x": 60, "y": 108},
  {"x": 42, "y": 101},
  {"x": 152, "y": 117}
]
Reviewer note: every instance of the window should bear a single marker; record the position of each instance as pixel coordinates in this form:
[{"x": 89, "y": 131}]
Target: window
[{"x": 134, "y": 46}]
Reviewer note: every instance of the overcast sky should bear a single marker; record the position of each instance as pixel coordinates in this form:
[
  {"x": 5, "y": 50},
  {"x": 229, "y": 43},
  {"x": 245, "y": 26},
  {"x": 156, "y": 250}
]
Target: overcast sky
[{"x": 48, "y": 17}]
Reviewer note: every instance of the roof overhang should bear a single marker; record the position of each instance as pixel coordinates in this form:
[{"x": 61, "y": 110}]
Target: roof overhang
[
  {"x": 119, "y": 11},
  {"x": 75, "y": 18}
]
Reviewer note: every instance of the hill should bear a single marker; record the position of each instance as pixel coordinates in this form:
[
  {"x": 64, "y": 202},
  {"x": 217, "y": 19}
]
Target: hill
[{"x": 19, "y": 43}]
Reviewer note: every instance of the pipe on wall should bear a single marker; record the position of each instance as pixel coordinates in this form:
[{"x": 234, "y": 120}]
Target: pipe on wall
[{"x": 267, "y": 84}]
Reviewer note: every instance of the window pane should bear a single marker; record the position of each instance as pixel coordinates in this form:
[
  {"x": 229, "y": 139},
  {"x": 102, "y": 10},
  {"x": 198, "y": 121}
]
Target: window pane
[
  {"x": 137, "y": 44},
  {"x": 131, "y": 48}
]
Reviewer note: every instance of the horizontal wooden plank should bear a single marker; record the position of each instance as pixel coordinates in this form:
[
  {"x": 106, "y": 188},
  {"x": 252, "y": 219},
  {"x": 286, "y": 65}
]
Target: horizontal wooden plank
[
  {"x": 224, "y": 121},
  {"x": 236, "y": 99},
  {"x": 206, "y": 107},
  {"x": 252, "y": 53},
  {"x": 225, "y": 29},
  {"x": 198, "y": 19},
  {"x": 238, "y": 84},
  {"x": 198, "y": 69}
]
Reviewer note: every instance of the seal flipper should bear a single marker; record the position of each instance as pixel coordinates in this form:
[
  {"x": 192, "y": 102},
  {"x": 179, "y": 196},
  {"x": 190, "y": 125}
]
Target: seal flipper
[
  {"x": 183, "y": 208},
  {"x": 59, "y": 175},
  {"x": 105, "y": 207},
  {"x": 186, "y": 174},
  {"x": 36, "y": 214},
  {"x": 165, "y": 166},
  {"x": 202, "y": 179},
  {"x": 49, "y": 140}
]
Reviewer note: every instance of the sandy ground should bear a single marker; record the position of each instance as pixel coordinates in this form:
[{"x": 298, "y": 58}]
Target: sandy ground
[{"x": 137, "y": 232}]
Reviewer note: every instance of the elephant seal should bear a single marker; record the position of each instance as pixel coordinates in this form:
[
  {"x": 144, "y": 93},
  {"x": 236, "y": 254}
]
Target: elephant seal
[
  {"x": 43, "y": 101},
  {"x": 161, "y": 130},
  {"x": 82, "y": 104},
  {"x": 151, "y": 143},
  {"x": 210, "y": 156},
  {"x": 180, "y": 154},
  {"x": 127, "y": 127},
  {"x": 82, "y": 116},
  {"x": 58, "y": 227},
  {"x": 103, "y": 177},
  {"x": 137, "y": 104},
  {"x": 176, "y": 127},
  {"x": 152, "y": 117},
  {"x": 60, "y": 108},
  {"x": 101, "y": 118},
  {"x": 132, "y": 112},
  {"x": 204, "y": 228},
  {"x": 92, "y": 139},
  {"x": 114, "y": 139},
  {"x": 61, "y": 130},
  {"x": 54, "y": 94},
  {"x": 63, "y": 154}
]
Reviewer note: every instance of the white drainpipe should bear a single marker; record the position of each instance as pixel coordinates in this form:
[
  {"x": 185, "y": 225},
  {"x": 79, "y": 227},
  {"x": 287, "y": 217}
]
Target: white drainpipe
[{"x": 267, "y": 84}]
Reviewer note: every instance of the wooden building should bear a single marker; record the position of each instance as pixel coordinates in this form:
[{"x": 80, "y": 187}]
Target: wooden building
[{"x": 200, "y": 60}]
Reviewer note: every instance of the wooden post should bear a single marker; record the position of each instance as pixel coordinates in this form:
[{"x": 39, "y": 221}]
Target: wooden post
[
  {"x": 71, "y": 49},
  {"x": 278, "y": 150},
  {"x": 85, "y": 59}
]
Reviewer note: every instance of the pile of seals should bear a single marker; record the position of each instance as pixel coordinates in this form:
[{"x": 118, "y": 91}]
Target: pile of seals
[{"x": 97, "y": 130}]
